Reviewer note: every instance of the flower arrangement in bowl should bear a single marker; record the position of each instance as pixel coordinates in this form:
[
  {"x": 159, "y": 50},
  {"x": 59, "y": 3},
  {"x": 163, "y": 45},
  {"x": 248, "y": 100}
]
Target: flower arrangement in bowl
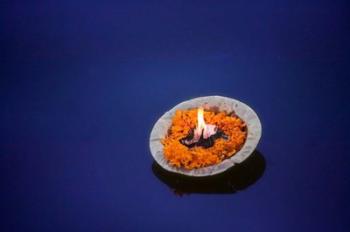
[{"x": 205, "y": 136}]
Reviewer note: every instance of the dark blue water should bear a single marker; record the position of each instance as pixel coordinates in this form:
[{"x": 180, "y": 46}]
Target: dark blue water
[{"x": 82, "y": 83}]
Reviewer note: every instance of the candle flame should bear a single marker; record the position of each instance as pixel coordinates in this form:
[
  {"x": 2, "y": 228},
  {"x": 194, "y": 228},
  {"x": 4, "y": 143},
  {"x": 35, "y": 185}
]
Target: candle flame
[
  {"x": 202, "y": 128},
  {"x": 200, "y": 119}
]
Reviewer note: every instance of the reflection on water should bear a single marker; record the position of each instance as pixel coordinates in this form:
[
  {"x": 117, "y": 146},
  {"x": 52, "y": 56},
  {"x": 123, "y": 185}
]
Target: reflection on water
[{"x": 237, "y": 178}]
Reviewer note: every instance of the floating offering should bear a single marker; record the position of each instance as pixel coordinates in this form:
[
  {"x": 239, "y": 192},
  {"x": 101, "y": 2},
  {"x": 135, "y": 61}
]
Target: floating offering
[{"x": 205, "y": 136}]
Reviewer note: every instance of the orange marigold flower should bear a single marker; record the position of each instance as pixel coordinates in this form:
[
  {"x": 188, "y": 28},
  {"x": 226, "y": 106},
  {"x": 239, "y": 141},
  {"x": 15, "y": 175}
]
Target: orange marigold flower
[{"x": 179, "y": 155}]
